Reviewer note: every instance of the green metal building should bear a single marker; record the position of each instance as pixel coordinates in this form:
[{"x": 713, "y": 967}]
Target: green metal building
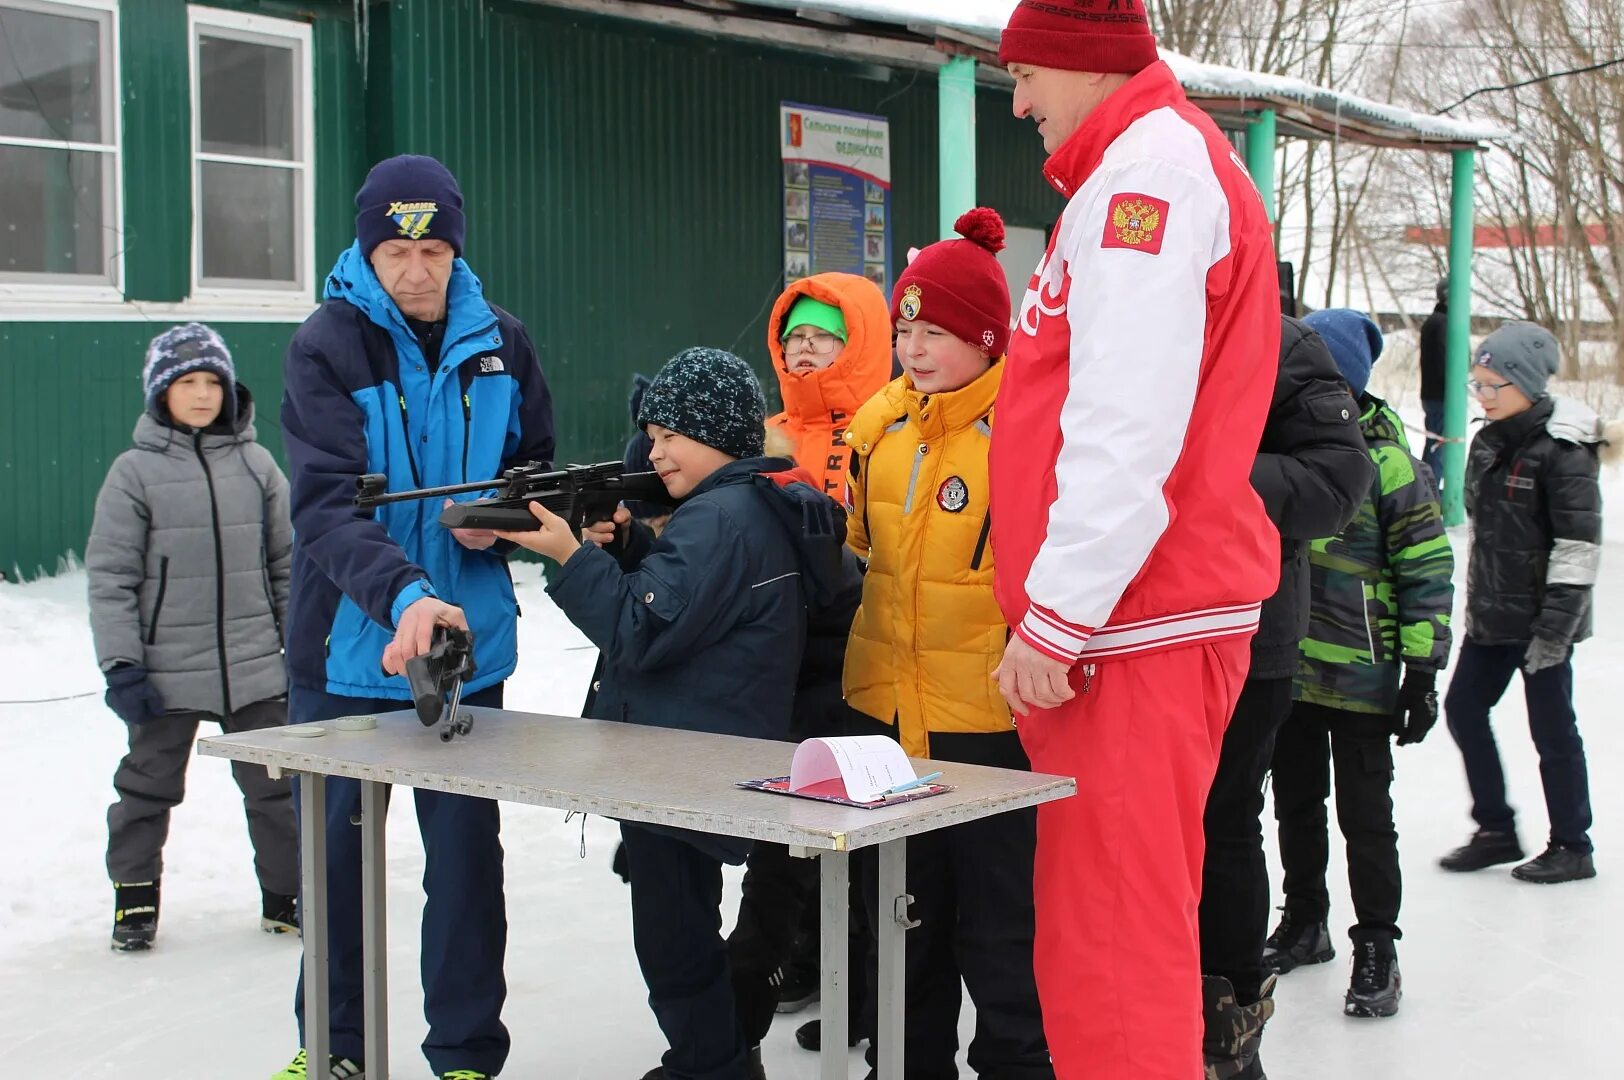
[{"x": 163, "y": 161}]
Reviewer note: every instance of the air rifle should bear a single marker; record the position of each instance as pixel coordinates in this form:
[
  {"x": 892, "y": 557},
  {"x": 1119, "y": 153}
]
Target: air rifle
[{"x": 580, "y": 494}]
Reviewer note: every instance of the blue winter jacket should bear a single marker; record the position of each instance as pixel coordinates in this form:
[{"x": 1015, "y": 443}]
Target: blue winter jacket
[{"x": 359, "y": 398}]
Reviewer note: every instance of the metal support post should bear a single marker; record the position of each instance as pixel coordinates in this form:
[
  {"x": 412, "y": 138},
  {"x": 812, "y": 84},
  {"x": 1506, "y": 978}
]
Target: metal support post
[
  {"x": 313, "y": 918},
  {"x": 375, "y": 926},
  {"x": 1260, "y": 147},
  {"x": 1462, "y": 230},
  {"x": 834, "y": 873},
  {"x": 892, "y": 933},
  {"x": 956, "y": 140}
]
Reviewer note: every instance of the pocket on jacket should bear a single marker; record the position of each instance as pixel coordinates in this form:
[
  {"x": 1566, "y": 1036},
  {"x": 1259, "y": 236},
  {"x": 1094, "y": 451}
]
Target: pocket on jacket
[{"x": 158, "y": 604}]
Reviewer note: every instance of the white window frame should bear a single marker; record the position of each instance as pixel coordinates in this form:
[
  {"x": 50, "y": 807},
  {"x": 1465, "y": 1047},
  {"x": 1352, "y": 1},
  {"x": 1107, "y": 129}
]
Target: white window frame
[
  {"x": 26, "y": 293},
  {"x": 294, "y": 298}
]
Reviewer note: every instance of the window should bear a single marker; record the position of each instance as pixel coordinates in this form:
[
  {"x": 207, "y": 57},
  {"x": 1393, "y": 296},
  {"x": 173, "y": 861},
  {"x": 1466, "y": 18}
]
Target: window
[
  {"x": 251, "y": 143},
  {"x": 58, "y": 144}
]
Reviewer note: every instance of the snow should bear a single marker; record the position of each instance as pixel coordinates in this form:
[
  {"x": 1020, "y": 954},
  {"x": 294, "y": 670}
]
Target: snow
[{"x": 1503, "y": 979}]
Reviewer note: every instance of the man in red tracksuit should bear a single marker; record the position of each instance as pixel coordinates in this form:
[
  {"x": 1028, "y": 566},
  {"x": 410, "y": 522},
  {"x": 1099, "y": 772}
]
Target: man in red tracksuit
[{"x": 1132, "y": 551}]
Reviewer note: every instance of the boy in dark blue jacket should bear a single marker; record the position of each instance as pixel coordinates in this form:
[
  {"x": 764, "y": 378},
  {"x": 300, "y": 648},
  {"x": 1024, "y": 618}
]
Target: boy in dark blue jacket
[{"x": 702, "y": 628}]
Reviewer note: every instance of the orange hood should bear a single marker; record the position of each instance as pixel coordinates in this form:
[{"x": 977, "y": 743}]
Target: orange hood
[{"x": 862, "y": 368}]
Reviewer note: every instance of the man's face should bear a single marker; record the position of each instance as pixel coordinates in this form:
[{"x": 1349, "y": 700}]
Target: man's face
[
  {"x": 1058, "y": 101},
  {"x": 415, "y": 274},
  {"x": 683, "y": 463}
]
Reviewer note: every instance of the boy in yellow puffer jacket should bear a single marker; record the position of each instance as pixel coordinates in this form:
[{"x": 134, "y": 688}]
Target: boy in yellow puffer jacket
[
  {"x": 926, "y": 640},
  {"x": 830, "y": 340}
]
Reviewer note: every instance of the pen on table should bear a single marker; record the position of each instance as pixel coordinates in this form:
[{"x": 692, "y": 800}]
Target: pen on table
[{"x": 911, "y": 784}]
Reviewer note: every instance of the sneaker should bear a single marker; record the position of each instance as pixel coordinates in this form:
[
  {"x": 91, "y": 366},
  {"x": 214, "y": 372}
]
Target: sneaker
[
  {"x": 278, "y": 914},
  {"x": 465, "y": 1074},
  {"x": 1485, "y": 849},
  {"x": 338, "y": 1068},
  {"x": 800, "y": 988},
  {"x": 1558, "y": 863},
  {"x": 1296, "y": 942},
  {"x": 809, "y": 1036},
  {"x": 1232, "y": 1033},
  {"x": 1376, "y": 986},
  {"x": 135, "y": 915}
]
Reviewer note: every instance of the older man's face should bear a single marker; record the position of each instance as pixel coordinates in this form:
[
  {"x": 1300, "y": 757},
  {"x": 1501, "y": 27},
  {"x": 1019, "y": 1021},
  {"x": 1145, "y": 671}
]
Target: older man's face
[
  {"x": 1057, "y": 101},
  {"x": 415, "y": 274}
]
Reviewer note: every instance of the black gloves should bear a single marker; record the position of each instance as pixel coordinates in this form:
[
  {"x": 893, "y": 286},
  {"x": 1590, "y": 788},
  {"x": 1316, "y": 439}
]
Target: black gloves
[
  {"x": 131, "y": 696},
  {"x": 1417, "y": 708}
]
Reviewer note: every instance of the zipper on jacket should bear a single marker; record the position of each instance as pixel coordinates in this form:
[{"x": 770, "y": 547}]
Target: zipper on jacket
[
  {"x": 163, "y": 587},
  {"x": 467, "y": 424},
  {"x": 981, "y": 541},
  {"x": 406, "y": 439},
  {"x": 1088, "y": 678},
  {"x": 1370, "y": 638},
  {"x": 219, "y": 578}
]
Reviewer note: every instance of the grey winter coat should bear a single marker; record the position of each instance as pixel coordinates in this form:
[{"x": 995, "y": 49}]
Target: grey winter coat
[{"x": 189, "y": 559}]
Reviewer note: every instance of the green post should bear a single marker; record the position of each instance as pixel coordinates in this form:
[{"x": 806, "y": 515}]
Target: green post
[
  {"x": 1260, "y": 143},
  {"x": 956, "y": 140},
  {"x": 1462, "y": 230}
]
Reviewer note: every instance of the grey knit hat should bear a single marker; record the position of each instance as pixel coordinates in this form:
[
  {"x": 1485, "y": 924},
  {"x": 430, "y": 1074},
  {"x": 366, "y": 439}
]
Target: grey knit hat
[
  {"x": 1524, "y": 354},
  {"x": 710, "y": 396}
]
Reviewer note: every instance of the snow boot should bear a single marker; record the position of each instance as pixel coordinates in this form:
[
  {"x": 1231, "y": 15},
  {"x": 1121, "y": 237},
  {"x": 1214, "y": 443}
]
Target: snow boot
[
  {"x": 1233, "y": 1033},
  {"x": 278, "y": 914},
  {"x": 1296, "y": 941},
  {"x": 339, "y": 1068},
  {"x": 809, "y": 1036},
  {"x": 1377, "y": 985},
  {"x": 1485, "y": 849},
  {"x": 752, "y": 1063},
  {"x": 1558, "y": 863},
  {"x": 802, "y": 980},
  {"x": 135, "y": 915}
]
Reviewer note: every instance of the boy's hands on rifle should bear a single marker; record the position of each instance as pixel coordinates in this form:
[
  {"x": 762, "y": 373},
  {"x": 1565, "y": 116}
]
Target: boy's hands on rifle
[
  {"x": 555, "y": 539},
  {"x": 472, "y": 539},
  {"x": 604, "y": 533},
  {"x": 414, "y": 634}
]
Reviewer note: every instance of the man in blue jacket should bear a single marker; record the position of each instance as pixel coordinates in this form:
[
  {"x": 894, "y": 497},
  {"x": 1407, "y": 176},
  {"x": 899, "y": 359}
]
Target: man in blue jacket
[{"x": 407, "y": 370}]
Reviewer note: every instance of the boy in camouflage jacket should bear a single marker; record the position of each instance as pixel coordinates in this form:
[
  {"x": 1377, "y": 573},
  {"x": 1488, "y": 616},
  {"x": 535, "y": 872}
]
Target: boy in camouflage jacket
[{"x": 1381, "y": 595}]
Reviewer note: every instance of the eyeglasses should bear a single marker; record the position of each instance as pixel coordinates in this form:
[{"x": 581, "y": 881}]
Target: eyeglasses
[
  {"x": 1487, "y": 391},
  {"x": 821, "y": 344}
]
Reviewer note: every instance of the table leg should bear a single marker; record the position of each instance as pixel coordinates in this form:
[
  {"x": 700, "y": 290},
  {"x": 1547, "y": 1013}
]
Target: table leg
[
  {"x": 834, "y": 870},
  {"x": 375, "y": 927},
  {"x": 313, "y": 918},
  {"x": 892, "y": 930}
]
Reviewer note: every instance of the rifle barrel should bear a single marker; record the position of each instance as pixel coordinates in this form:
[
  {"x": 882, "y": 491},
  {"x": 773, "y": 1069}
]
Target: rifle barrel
[{"x": 366, "y": 502}]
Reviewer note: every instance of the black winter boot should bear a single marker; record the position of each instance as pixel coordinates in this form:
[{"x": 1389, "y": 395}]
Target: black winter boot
[
  {"x": 1558, "y": 863},
  {"x": 1297, "y": 941},
  {"x": 278, "y": 914},
  {"x": 1483, "y": 850},
  {"x": 1377, "y": 985},
  {"x": 753, "y": 1064},
  {"x": 135, "y": 915},
  {"x": 1233, "y": 1032},
  {"x": 809, "y": 1036}
]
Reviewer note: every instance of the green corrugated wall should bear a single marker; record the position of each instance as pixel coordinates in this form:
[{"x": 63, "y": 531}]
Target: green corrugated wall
[{"x": 623, "y": 191}]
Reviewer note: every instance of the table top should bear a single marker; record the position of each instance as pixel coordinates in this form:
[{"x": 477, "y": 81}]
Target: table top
[{"x": 631, "y": 773}]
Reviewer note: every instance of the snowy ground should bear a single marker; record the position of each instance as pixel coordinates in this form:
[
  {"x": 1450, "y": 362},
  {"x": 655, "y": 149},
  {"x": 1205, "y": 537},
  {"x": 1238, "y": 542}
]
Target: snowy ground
[{"x": 1503, "y": 979}]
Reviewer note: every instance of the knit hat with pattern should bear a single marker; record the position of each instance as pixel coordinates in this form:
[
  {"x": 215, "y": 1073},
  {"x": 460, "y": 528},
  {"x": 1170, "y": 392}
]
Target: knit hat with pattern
[
  {"x": 179, "y": 351},
  {"x": 712, "y": 397}
]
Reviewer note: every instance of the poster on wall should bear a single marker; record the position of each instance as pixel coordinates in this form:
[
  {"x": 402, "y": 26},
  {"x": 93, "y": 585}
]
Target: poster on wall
[{"x": 837, "y": 193}]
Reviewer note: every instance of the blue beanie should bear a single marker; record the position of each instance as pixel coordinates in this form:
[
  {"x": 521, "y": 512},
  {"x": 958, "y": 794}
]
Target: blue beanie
[
  {"x": 712, "y": 397},
  {"x": 179, "y": 351},
  {"x": 409, "y": 197},
  {"x": 1355, "y": 342}
]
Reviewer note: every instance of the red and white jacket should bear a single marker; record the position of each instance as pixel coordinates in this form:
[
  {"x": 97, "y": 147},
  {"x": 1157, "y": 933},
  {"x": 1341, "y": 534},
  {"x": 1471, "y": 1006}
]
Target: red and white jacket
[{"x": 1138, "y": 381}]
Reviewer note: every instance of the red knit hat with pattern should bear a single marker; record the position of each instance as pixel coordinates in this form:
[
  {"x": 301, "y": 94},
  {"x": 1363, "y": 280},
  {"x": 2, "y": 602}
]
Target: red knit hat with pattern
[
  {"x": 1080, "y": 35},
  {"x": 959, "y": 284}
]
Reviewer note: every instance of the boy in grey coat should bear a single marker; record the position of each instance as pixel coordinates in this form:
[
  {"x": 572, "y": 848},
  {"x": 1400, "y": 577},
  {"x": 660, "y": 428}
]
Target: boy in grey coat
[{"x": 188, "y": 562}]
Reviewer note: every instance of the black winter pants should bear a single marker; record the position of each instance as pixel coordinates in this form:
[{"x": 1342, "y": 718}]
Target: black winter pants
[
  {"x": 1482, "y": 674},
  {"x": 1360, "y": 747},
  {"x": 1234, "y": 873},
  {"x": 972, "y": 890}
]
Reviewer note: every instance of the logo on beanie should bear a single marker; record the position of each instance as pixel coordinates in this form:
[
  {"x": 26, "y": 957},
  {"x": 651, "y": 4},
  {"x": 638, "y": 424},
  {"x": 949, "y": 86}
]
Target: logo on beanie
[
  {"x": 912, "y": 299},
  {"x": 1484, "y": 359},
  {"x": 413, "y": 218},
  {"x": 988, "y": 337},
  {"x": 1136, "y": 222},
  {"x": 953, "y": 495}
]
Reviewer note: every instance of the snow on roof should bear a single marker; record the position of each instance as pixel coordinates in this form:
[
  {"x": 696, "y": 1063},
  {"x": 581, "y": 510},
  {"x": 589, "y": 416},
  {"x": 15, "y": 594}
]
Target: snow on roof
[{"x": 985, "y": 19}]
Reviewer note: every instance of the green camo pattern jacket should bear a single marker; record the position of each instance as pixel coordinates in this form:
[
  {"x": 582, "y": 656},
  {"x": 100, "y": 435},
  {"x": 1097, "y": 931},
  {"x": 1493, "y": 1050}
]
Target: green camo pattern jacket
[{"x": 1381, "y": 592}]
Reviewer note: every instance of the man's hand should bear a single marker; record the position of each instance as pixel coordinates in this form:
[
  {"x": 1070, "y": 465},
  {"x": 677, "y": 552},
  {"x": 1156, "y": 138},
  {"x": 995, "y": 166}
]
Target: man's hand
[
  {"x": 555, "y": 539},
  {"x": 1029, "y": 679},
  {"x": 1417, "y": 708},
  {"x": 472, "y": 539},
  {"x": 604, "y": 533},
  {"x": 1543, "y": 653},
  {"x": 415, "y": 631}
]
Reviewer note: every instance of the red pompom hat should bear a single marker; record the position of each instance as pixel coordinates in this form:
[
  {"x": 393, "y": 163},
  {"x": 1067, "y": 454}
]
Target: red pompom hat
[
  {"x": 1080, "y": 35},
  {"x": 959, "y": 285}
]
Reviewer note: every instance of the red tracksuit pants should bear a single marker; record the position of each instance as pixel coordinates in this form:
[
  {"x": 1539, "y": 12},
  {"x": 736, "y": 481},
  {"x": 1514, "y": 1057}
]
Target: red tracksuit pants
[{"x": 1118, "y": 874}]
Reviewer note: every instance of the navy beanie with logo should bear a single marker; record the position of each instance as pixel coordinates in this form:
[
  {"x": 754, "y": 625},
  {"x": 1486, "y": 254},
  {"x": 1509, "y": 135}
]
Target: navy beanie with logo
[
  {"x": 1355, "y": 342},
  {"x": 409, "y": 197},
  {"x": 179, "y": 351},
  {"x": 712, "y": 397}
]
